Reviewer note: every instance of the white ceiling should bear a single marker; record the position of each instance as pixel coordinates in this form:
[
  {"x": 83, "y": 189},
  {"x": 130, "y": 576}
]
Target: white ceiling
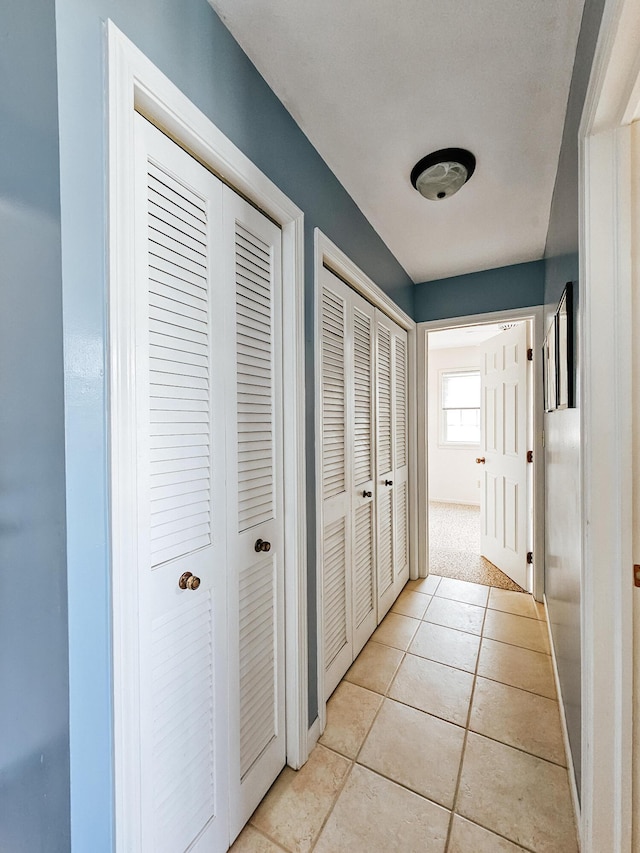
[
  {"x": 377, "y": 84},
  {"x": 465, "y": 336}
]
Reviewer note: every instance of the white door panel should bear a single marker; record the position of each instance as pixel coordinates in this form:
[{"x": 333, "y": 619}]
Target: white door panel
[
  {"x": 392, "y": 458},
  {"x": 504, "y": 436},
  {"x": 254, "y": 494},
  {"x": 180, "y": 519},
  {"x": 337, "y": 623}
]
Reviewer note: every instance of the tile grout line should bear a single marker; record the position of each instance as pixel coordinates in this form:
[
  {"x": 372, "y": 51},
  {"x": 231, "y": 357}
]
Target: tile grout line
[
  {"x": 466, "y": 737},
  {"x": 354, "y": 760},
  {"x": 347, "y": 776}
]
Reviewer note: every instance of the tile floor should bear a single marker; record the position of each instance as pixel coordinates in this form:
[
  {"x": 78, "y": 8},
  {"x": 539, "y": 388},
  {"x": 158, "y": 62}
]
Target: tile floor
[{"x": 443, "y": 736}]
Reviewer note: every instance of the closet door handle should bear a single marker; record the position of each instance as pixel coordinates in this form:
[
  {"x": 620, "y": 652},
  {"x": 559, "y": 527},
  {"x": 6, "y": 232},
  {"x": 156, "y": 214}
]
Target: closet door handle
[
  {"x": 388, "y": 482},
  {"x": 367, "y": 494},
  {"x": 262, "y": 545},
  {"x": 188, "y": 581}
]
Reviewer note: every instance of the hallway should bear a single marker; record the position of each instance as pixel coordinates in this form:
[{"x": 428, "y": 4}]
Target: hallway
[{"x": 444, "y": 737}]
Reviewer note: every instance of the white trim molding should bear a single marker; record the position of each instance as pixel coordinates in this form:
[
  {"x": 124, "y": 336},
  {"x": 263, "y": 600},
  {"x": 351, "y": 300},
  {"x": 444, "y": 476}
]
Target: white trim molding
[
  {"x": 136, "y": 85},
  {"x": 328, "y": 255},
  {"x": 568, "y": 752},
  {"x": 609, "y": 396},
  {"x": 535, "y": 316}
]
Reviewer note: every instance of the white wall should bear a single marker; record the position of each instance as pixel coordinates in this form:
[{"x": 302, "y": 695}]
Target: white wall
[{"x": 453, "y": 473}]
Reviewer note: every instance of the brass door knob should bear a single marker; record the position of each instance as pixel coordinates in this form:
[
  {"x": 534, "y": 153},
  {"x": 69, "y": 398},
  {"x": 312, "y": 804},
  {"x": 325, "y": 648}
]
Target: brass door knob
[
  {"x": 480, "y": 460},
  {"x": 367, "y": 494},
  {"x": 188, "y": 581},
  {"x": 388, "y": 482},
  {"x": 262, "y": 545}
]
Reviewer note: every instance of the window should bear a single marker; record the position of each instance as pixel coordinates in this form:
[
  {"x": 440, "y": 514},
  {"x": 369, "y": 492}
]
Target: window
[{"x": 460, "y": 396}]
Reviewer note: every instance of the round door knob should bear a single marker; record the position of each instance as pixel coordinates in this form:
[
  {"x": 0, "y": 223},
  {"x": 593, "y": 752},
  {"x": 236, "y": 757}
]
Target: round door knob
[
  {"x": 480, "y": 460},
  {"x": 262, "y": 545},
  {"x": 388, "y": 482},
  {"x": 367, "y": 494},
  {"x": 188, "y": 581}
]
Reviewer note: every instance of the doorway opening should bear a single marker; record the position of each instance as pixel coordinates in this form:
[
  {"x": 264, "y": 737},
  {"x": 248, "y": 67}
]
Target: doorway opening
[{"x": 480, "y": 438}]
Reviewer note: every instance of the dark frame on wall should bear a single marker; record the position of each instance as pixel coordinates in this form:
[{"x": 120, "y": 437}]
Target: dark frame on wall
[
  {"x": 557, "y": 356},
  {"x": 564, "y": 332},
  {"x": 549, "y": 368}
]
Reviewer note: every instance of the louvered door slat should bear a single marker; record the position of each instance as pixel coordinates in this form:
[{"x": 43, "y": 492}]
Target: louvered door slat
[
  {"x": 333, "y": 394},
  {"x": 385, "y": 455},
  {"x": 385, "y": 541},
  {"x": 362, "y": 332},
  {"x": 400, "y": 363},
  {"x": 402, "y": 525},
  {"x": 334, "y": 591},
  {"x": 364, "y": 568},
  {"x": 178, "y": 754},
  {"x": 173, "y": 385},
  {"x": 257, "y": 658},
  {"x": 254, "y": 358}
]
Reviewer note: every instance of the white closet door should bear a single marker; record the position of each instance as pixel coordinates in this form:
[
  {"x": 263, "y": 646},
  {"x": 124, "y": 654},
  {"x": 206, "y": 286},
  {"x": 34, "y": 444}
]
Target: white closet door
[
  {"x": 181, "y": 509},
  {"x": 392, "y": 451},
  {"x": 361, "y": 418},
  {"x": 337, "y": 620},
  {"x": 401, "y": 458},
  {"x": 348, "y": 464},
  {"x": 254, "y": 494}
]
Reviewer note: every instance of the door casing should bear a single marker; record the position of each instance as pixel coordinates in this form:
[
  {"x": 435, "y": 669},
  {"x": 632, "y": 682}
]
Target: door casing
[
  {"x": 535, "y": 316},
  {"x": 136, "y": 85}
]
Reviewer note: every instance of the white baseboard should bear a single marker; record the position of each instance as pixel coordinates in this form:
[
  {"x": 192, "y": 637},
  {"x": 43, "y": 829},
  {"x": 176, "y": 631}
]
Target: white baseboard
[
  {"x": 451, "y": 501},
  {"x": 313, "y": 735},
  {"x": 571, "y": 772}
]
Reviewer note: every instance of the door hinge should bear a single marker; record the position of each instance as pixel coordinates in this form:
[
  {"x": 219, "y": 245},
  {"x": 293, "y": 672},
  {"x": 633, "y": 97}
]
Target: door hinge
[
  {"x": 636, "y": 575},
  {"x": 529, "y": 557},
  {"x": 529, "y": 455},
  {"x": 529, "y": 355}
]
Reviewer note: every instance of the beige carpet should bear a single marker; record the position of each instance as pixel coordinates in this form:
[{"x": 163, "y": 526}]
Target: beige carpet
[{"x": 454, "y": 546}]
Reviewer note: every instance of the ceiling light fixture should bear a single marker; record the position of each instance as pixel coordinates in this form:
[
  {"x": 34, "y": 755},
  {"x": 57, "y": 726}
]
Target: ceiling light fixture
[{"x": 442, "y": 173}]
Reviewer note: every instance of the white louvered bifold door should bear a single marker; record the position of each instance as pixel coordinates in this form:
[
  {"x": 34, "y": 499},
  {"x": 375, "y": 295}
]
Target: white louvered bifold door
[
  {"x": 181, "y": 511},
  {"x": 392, "y": 457},
  {"x": 251, "y": 318},
  {"x": 348, "y": 462},
  {"x": 335, "y": 485},
  {"x": 400, "y": 458},
  {"x": 361, "y": 419}
]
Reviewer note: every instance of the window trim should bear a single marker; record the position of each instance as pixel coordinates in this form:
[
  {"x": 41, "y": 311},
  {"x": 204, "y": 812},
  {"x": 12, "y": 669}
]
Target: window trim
[{"x": 443, "y": 442}]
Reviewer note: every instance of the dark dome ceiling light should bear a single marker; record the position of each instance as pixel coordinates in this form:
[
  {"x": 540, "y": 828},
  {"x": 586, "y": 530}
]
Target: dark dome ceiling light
[{"x": 442, "y": 173}]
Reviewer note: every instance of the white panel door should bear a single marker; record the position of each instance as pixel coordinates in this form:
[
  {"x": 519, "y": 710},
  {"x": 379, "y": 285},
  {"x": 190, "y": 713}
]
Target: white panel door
[
  {"x": 254, "y": 495},
  {"x": 392, "y": 459},
  {"x": 181, "y": 510},
  {"x": 503, "y": 496}
]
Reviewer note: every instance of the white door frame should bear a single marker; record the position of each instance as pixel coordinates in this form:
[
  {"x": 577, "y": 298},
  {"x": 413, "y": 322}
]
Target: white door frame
[
  {"x": 535, "y": 315},
  {"x": 136, "y": 85},
  {"x": 607, "y": 282},
  {"x": 327, "y": 254}
]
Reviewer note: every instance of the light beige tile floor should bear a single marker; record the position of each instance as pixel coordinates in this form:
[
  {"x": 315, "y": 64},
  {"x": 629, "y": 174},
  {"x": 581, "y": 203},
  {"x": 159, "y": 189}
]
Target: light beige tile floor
[{"x": 444, "y": 737}]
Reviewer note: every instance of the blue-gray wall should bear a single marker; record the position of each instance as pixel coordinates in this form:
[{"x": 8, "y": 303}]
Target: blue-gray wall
[
  {"x": 515, "y": 286},
  {"x": 187, "y": 41},
  {"x": 34, "y": 760},
  {"x": 562, "y": 428}
]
